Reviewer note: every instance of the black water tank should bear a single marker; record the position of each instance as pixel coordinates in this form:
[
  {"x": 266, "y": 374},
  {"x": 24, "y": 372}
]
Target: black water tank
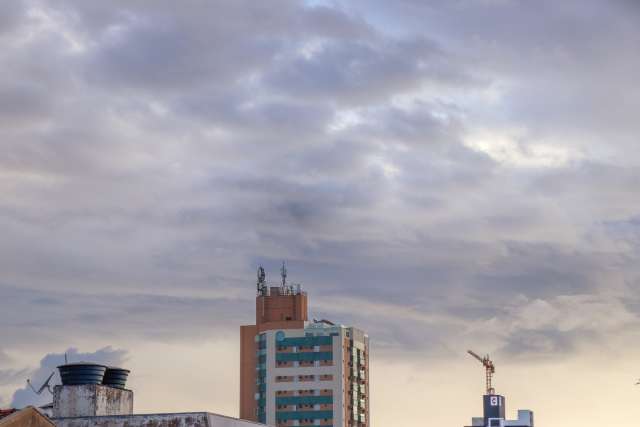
[
  {"x": 115, "y": 377},
  {"x": 82, "y": 373}
]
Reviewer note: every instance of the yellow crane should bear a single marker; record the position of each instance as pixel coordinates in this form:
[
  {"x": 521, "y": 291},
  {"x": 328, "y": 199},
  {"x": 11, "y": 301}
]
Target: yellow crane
[{"x": 489, "y": 367}]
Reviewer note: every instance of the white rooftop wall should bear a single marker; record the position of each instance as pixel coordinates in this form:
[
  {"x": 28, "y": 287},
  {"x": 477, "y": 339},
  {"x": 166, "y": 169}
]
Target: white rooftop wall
[{"x": 189, "y": 419}]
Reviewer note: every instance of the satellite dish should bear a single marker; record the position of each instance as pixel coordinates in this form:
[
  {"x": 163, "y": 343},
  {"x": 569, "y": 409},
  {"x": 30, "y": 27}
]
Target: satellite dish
[{"x": 44, "y": 386}]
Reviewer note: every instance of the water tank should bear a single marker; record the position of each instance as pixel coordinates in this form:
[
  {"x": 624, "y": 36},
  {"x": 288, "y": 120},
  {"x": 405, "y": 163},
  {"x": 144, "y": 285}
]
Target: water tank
[
  {"x": 82, "y": 373},
  {"x": 115, "y": 377}
]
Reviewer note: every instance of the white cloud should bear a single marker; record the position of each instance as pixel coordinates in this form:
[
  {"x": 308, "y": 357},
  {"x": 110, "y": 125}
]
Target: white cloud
[{"x": 511, "y": 149}]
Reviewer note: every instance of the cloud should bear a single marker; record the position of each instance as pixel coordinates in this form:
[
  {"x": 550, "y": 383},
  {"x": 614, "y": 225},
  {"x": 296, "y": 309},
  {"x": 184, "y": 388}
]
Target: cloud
[
  {"x": 465, "y": 167},
  {"x": 110, "y": 316},
  {"x": 11, "y": 17},
  {"x": 363, "y": 71},
  {"x": 25, "y": 397},
  {"x": 563, "y": 323},
  {"x": 12, "y": 376}
]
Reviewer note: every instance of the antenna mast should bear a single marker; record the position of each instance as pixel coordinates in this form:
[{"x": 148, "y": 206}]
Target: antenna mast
[
  {"x": 490, "y": 369},
  {"x": 283, "y": 273},
  {"x": 262, "y": 281}
]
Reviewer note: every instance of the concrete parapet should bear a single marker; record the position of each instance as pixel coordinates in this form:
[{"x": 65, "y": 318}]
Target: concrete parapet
[
  {"x": 194, "y": 419},
  {"x": 90, "y": 400}
]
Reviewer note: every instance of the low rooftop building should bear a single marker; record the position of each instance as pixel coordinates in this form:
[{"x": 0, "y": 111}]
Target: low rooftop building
[
  {"x": 86, "y": 399},
  {"x": 185, "y": 419}
]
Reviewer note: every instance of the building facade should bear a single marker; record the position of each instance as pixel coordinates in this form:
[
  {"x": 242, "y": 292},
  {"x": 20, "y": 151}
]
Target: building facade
[{"x": 296, "y": 372}]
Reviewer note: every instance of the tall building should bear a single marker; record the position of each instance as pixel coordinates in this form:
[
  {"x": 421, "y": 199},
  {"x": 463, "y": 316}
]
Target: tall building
[
  {"x": 296, "y": 372},
  {"x": 494, "y": 414}
]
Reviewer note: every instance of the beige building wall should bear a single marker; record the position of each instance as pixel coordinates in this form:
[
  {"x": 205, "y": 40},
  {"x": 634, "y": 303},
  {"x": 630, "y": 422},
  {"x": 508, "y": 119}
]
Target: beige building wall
[{"x": 248, "y": 372}]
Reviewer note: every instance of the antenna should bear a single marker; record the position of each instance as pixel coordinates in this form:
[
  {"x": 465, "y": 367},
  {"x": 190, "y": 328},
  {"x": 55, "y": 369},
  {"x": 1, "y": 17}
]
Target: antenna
[
  {"x": 261, "y": 284},
  {"x": 283, "y": 273},
  {"x": 490, "y": 369},
  {"x": 45, "y": 385}
]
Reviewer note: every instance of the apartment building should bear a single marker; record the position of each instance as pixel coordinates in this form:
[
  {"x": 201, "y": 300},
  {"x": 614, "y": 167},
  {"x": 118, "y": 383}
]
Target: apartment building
[{"x": 296, "y": 372}]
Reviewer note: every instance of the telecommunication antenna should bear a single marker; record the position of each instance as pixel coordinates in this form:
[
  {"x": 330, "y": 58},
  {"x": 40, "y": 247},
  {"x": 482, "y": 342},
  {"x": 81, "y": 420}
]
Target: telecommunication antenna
[
  {"x": 262, "y": 280},
  {"x": 44, "y": 386},
  {"x": 490, "y": 369},
  {"x": 283, "y": 274}
]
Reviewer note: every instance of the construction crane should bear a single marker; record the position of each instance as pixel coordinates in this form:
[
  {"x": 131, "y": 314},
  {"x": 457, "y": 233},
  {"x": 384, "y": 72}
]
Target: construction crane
[{"x": 489, "y": 367}]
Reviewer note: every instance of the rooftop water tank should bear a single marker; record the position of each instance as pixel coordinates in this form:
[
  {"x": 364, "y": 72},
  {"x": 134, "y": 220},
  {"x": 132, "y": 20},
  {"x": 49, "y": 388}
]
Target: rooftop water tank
[
  {"x": 82, "y": 373},
  {"x": 115, "y": 377}
]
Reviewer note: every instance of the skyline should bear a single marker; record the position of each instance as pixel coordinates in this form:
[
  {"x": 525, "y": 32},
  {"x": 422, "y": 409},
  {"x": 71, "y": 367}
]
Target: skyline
[{"x": 466, "y": 172}]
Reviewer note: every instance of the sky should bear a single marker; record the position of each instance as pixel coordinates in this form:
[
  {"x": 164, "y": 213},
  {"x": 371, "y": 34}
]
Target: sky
[{"x": 447, "y": 175}]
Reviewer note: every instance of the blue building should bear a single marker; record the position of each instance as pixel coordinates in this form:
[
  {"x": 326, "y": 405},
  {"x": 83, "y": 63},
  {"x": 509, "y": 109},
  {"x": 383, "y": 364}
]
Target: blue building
[{"x": 494, "y": 414}]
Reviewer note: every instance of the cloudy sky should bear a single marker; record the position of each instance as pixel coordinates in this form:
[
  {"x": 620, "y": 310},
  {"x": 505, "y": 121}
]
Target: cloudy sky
[{"x": 445, "y": 174}]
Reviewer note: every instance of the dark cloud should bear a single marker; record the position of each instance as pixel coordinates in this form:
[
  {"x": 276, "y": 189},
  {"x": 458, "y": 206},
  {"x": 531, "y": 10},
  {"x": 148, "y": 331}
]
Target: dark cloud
[
  {"x": 541, "y": 270},
  {"x": 11, "y": 17},
  {"x": 361, "y": 72},
  {"x": 112, "y": 316},
  {"x": 23, "y": 101}
]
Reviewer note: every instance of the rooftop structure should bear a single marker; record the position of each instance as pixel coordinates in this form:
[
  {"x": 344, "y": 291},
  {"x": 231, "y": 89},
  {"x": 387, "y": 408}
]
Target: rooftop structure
[
  {"x": 28, "y": 416},
  {"x": 184, "y": 419},
  {"x": 93, "y": 395},
  {"x": 6, "y": 412},
  {"x": 90, "y": 400},
  {"x": 494, "y": 414}
]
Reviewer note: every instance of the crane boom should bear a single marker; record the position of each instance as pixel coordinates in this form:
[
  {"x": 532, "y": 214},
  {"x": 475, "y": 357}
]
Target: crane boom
[{"x": 476, "y": 356}]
